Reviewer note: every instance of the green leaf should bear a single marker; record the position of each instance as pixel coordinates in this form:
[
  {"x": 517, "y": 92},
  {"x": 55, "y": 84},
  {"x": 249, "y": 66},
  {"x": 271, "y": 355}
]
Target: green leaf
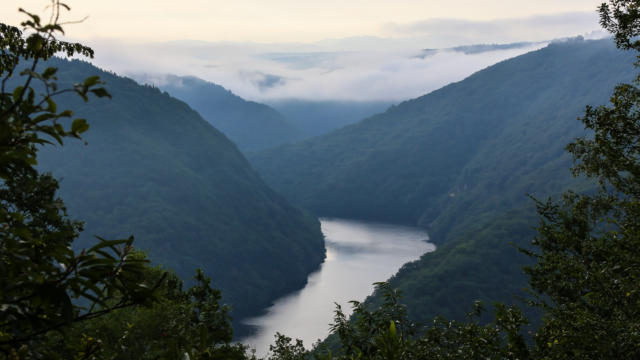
[
  {"x": 91, "y": 81},
  {"x": 392, "y": 330},
  {"x": 49, "y": 72},
  {"x": 106, "y": 243},
  {"x": 17, "y": 92},
  {"x": 52, "y": 106},
  {"x": 79, "y": 126},
  {"x": 58, "y": 128},
  {"x": 66, "y": 113},
  {"x": 101, "y": 92}
]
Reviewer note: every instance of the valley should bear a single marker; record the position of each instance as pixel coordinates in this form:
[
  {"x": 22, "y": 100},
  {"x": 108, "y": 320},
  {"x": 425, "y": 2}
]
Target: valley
[
  {"x": 358, "y": 255},
  {"x": 460, "y": 162},
  {"x": 427, "y": 188}
]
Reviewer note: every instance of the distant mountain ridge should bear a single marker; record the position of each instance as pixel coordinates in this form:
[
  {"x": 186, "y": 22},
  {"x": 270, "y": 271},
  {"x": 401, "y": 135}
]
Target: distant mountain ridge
[
  {"x": 479, "y": 48},
  {"x": 153, "y": 168},
  {"x": 250, "y": 125}
]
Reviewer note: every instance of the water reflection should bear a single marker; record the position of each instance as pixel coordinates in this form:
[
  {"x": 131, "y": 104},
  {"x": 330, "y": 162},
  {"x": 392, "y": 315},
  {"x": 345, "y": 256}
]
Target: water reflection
[{"x": 358, "y": 254}]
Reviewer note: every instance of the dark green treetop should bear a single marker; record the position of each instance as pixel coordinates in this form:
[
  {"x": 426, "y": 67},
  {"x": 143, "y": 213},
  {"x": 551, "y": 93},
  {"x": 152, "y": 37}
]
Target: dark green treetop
[
  {"x": 620, "y": 17},
  {"x": 181, "y": 323},
  {"x": 588, "y": 263}
]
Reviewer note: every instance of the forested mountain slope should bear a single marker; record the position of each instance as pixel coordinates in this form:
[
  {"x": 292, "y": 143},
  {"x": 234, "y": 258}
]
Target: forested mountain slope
[
  {"x": 319, "y": 117},
  {"x": 460, "y": 162},
  {"x": 153, "y": 168},
  {"x": 250, "y": 125},
  {"x": 503, "y": 128}
]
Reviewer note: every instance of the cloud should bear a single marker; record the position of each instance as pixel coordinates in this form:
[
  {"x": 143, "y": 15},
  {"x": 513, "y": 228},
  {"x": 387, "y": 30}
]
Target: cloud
[
  {"x": 358, "y": 68},
  {"x": 354, "y": 75},
  {"x": 263, "y": 81},
  {"x": 452, "y": 32}
]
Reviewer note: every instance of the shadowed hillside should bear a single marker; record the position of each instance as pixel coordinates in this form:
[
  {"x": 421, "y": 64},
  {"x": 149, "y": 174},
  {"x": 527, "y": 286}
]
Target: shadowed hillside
[
  {"x": 155, "y": 169},
  {"x": 250, "y": 125}
]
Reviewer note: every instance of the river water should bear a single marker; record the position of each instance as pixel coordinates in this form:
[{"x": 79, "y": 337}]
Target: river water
[{"x": 358, "y": 254}]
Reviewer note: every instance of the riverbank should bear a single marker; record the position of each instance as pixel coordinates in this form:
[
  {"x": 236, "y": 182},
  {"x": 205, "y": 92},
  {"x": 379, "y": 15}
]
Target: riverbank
[{"x": 358, "y": 254}]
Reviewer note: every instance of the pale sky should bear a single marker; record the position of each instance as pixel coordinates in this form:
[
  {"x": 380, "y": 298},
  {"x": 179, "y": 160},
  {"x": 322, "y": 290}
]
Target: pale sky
[{"x": 272, "y": 21}]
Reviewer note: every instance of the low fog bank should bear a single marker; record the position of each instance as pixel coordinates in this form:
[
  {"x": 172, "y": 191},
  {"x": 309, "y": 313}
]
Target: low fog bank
[
  {"x": 360, "y": 69},
  {"x": 374, "y": 75}
]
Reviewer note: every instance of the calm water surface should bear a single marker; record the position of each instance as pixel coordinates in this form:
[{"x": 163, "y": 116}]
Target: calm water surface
[{"x": 358, "y": 254}]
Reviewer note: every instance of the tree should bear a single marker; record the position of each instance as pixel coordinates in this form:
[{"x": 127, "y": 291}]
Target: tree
[
  {"x": 43, "y": 280},
  {"x": 620, "y": 17},
  {"x": 588, "y": 260},
  {"x": 285, "y": 348},
  {"x": 180, "y": 322},
  {"x": 386, "y": 333}
]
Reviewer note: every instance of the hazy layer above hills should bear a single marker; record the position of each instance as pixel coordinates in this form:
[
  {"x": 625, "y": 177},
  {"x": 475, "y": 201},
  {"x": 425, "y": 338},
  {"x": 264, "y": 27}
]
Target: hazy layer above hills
[
  {"x": 155, "y": 169},
  {"x": 459, "y": 161},
  {"x": 381, "y": 71}
]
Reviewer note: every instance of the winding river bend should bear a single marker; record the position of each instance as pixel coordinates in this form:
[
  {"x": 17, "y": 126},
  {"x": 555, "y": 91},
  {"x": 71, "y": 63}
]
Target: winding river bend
[{"x": 358, "y": 254}]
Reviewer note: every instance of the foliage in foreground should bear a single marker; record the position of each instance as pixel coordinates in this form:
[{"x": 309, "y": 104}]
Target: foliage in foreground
[
  {"x": 103, "y": 302},
  {"x": 43, "y": 281},
  {"x": 387, "y": 332},
  {"x": 181, "y": 322}
]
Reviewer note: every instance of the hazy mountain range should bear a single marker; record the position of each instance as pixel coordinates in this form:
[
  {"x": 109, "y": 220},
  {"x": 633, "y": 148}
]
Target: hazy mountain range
[{"x": 458, "y": 161}]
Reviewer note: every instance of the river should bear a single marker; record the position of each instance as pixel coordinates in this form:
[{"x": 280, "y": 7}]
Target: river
[{"x": 358, "y": 254}]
